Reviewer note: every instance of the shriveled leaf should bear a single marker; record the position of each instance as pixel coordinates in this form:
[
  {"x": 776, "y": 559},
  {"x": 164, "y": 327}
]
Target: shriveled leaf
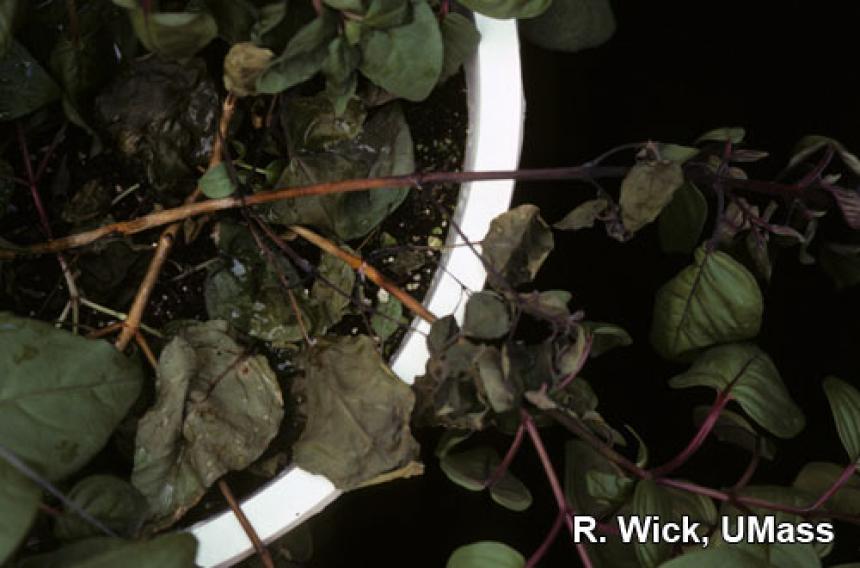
[
  {"x": 735, "y": 135},
  {"x": 112, "y": 501},
  {"x": 506, "y": 9},
  {"x": 62, "y": 395},
  {"x": 405, "y": 60},
  {"x": 516, "y": 246},
  {"x": 460, "y": 38},
  {"x": 443, "y": 333},
  {"x": 734, "y": 429},
  {"x": 25, "y": 85},
  {"x": 551, "y": 303},
  {"x": 487, "y": 316},
  {"x": 387, "y": 318},
  {"x": 302, "y": 58},
  {"x": 216, "y": 410},
  {"x": 216, "y": 182},
  {"x": 340, "y": 68},
  {"x": 716, "y": 557},
  {"x": 571, "y": 25},
  {"x": 175, "y": 35},
  {"x": 845, "y": 404},
  {"x": 175, "y": 550},
  {"x": 242, "y": 65},
  {"x": 332, "y": 289},
  {"x": 486, "y": 554},
  {"x": 583, "y": 216},
  {"x": 646, "y": 189},
  {"x": 358, "y": 413},
  {"x": 755, "y": 385},
  {"x": 681, "y": 222},
  {"x": 312, "y": 125},
  {"x": 841, "y": 263},
  {"x": 606, "y": 336},
  {"x": 19, "y": 503},
  {"x": 652, "y": 499},
  {"x": 715, "y": 300},
  {"x": 818, "y": 477}
]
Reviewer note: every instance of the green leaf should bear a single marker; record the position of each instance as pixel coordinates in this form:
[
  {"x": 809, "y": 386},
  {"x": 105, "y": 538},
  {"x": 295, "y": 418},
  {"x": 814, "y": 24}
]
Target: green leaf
[
  {"x": 571, "y": 25},
  {"x": 216, "y": 410},
  {"x": 755, "y": 385},
  {"x": 82, "y": 69},
  {"x": 583, "y": 216},
  {"x": 471, "y": 469},
  {"x": 358, "y": 413},
  {"x": 216, "y": 182},
  {"x": 717, "y": 557},
  {"x": 19, "y": 503},
  {"x": 606, "y": 336},
  {"x": 494, "y": 387},
  {"x": 734, "y": 429},
  {"x": 24, "y": 85},
  {"x": 516, "y": 245},
  {"x": 405, "y": 60},
  {"x": 8, "y": 11},
  {"x": 174, "y": 35},
  {"x": 486, "y": 554},
  {"x": 175, "y": 550},
  {"x": 609, "y": 487},
  {"x": 113, "y": 501},
  {"x": 817, "y": 477},
  {"x": 243, "y": 65},
  {"x": 681, "y": 222},
  {"x": 735, "y": 135},
  {"x": 62, "y": 395},
  {"x": 675, "y": 152},
  {"x": 845, "y": 404},
  {"x": 460, "y": 38},
  {"x": 715, "y": 300},
  {"x": 507, "y": 9},
  {"x": 449, "y": 440},
  {"x": 652, "y": 499},
  {"x": 487, "y": 316},
  {"x": 511, "y": 493},
  {"x": 385, "y": 327},
  {"x": 585, "y": 470},
  {"x": 646, "y": 189},
  {"x": 339, "y": 68},
  {"x": 302, "y": 58}
]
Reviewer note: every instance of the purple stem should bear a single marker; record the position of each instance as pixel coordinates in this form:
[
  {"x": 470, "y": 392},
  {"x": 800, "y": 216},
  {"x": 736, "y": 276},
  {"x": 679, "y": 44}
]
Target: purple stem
[
  {"x": 749, "y": 471},
  {"x": 31, "y": 180},
  {"x": 509, "y": 457},
  {"x": 538, "y": 554},
  {"x": 843, "y": 478}
]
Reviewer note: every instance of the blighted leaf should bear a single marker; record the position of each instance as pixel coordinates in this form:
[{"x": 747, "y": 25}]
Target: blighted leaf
[
  {"x": 339, "y": 68},
  {"x": 845, "y": 404},
  {"x": 716, "y": 557},
  {"x": 242, "y": 65},
  {"x": 19, "y": 503},
  {"x": 715, "y": 300},
  {"x": 571, "y": 25},
  {"x": 487, "y": 316},
  {"x": 486, "y": 554},
  {"x": 816, "y": 478},
  {"x": 312, "y": 125},
  {"x": 216, "y": 182},
  {"x": 681, "y": 222},
  {"x": 652, "y": 499},
  {"x": 507, "y": 9},
  {"x": 809, "y": 145},
  {"x": 216, "y": 410},
  {"x": 547, "y": 304},
  {"x": 175, "y": 35},
  {"x": 174, "y": 550},
  {"x": 384, "y": 148},
  {"x": 755, "y": 385},
  {"x": 735, "y": 135},
  {"x": 516, "y": 246},
  {"x": 332, "y": 289},
  {"x": 583, "y": 216},
  {"x": 842, "y": 263},
  {"x": 646, "y": 189},
  {"x": 302, "y": 58},
  {"x": 405, "y": 60},
  {"x": 25, "y": 85},
  {"x": 606, "y": 336},
  {"x": 112, "y": 501},
  {"x": 734, "y": 429},
  {"x": 460, "y": 38},
  {"x": 443, "y": 333},
  {"x": 358, "y": 413},
  {"x": 62, "y": 395},
  {"x": 387, "y": 318}
]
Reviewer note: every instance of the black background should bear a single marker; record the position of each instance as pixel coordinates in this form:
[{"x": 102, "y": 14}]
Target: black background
[{"x": 672, "y": 71}]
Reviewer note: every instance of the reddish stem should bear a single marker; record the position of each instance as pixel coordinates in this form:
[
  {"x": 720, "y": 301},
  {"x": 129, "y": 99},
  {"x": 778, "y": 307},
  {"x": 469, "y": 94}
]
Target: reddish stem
[
  {"x": 31, "y": 181},
  {"x": 557, "y": 491},
  {"x": 840, "y": 482},
  {"x": 749, "y": 471},
  {"x": 509, "y": 457},
  {"x": 538, "y": 554}
]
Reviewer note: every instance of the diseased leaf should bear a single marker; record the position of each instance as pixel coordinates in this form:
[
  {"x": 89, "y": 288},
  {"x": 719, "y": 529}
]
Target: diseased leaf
[
  {"x": 443, "y": 333},
  {"x": 339, "y": 68},
  {"x": 715, "y": 300},
  {"x": 646, "y": 189},
  {"x": 175, "y": 35},
  {"x": 736, "y": 430},
  {"x": 460, "y": 38},
  {"x": 332, "y": 289},
  {"x": 516, "y": 246},
  {"x": 845, "y": 404},
  {"x": 61, "y": 396},
  {"x": 755, "y": 385},
  {"x": 358, "y": 413},
  {"x": 652, "y": 499},
  {"x": 571, "y": 25},
  {"x": 174, "y": 550},
  {"x": 26, "y": 86},
  {"x": 312, "y": 125},
  {"x": 486, "y": 317},
  {"x": 405, "y": 60},
  {"x": 302, "y": 58},
  {"x": 735, "y": 135},
  {"x": 681, "y": 222},
  {"x": 242, "y": 65},
  {"x": 493, "y": 386},
  {"x": 216, "y": 182},
  {"x": 19, "y": 503},
  {"x": 112, "y": 501},
  {"x": 583, "y": 216},
  {"x": 392, "y": 309},
  {"x": 818, "y": 477},
  {"x": 486, "y": 554},
  {"x": 217, "y": 408}
]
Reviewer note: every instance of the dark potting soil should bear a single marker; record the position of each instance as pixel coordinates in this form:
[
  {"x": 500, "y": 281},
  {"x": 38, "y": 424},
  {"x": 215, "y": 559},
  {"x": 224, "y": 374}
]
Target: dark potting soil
[{"x": 780, "y": 70}]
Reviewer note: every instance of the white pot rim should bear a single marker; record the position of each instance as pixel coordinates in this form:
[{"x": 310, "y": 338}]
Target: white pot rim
[{"x": 496, "y": 117}]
